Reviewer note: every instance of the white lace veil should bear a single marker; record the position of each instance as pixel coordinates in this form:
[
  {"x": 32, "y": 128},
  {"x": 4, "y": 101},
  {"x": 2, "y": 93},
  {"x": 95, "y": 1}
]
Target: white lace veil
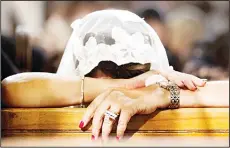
[{"x": 119, "y": 36}]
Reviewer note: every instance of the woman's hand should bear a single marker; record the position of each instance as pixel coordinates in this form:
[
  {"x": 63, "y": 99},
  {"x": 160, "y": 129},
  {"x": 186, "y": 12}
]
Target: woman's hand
[
  {"x": 183, "y": 80},
  {"x": 186, "y": 80},
  {"x": 116, "y": 102}
]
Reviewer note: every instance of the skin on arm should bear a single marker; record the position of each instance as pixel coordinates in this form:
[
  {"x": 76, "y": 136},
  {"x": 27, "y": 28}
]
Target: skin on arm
[
  {"x": 214, "y": 94},
  {"x": 52, "y": 90},
  {"x": 153, "y": 97},
  {"x": 40, "y": 90}
]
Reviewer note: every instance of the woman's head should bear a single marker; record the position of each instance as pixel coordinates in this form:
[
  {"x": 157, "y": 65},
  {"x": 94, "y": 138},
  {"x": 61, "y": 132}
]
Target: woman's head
[
  {"x": 109, "y": 69},
  {"x": 113, "y": 43}
]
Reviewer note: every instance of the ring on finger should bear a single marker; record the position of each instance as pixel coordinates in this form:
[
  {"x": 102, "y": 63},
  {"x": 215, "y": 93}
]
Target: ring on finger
[{"x": 111, "y": 115}]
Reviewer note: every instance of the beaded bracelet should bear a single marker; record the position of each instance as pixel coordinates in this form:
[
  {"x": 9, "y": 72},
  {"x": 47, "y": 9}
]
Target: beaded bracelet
[{"x": 174, "y": 93}]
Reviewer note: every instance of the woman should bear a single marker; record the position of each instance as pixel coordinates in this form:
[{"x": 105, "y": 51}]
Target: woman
[{"x": 109, "y": 44}]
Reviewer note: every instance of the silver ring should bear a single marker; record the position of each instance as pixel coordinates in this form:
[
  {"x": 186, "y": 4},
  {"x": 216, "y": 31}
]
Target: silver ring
[{"x": 111, "y": 115}]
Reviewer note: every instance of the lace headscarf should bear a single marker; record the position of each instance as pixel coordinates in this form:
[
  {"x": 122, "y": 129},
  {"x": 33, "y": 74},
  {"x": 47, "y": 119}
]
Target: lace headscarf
[{"x": 132, "y": 40}]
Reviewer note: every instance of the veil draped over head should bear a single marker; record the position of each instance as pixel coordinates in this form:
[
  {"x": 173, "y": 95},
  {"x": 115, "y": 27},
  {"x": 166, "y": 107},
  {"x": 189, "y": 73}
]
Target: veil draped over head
[{"x": 119, "y": 36}]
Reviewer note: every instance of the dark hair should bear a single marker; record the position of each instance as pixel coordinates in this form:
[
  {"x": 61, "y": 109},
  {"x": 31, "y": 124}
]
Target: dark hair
[
  {"x": 112, "y": 69},
  {"x": 125, "y": 71},
  {"x": 150, "y": 14}
]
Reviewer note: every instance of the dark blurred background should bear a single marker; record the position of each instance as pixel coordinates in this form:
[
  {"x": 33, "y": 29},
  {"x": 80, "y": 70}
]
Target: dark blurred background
[{"x": 195, "y": 34}]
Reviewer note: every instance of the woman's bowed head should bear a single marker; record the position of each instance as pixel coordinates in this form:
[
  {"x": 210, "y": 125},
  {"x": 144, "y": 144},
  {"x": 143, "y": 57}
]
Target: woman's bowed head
[
  {"x": 120, "y": 54},
  {"x": 118, "y": 44}
]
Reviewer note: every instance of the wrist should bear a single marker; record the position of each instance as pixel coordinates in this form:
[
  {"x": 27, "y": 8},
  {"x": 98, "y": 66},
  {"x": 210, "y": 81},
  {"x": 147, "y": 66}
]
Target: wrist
[
  {"x": 93, "y": 86},
  {"x": 163, "y": 97},
  {"x": 128, "y": 83}
]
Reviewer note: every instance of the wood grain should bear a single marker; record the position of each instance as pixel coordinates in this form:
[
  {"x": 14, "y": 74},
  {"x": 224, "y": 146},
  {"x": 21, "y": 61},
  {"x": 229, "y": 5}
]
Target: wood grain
[
  {"x": 59, "y": 121},
  {"x": 59, "y": 127}
]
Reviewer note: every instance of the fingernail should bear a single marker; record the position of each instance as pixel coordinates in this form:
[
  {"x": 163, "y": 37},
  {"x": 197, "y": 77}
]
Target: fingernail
[
  {"x": 92, "y": 137},
  {"x": 118, "y": 138},
  {"x": 195, "y": 88},
  {"x": 81, "y": 124}
]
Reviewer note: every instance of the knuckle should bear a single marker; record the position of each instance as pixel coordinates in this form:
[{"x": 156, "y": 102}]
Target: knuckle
[
  {"x": 93, "y": 105},
  {"x": 87, "y": 115},
  {"x": 98, "y": 114},
  {"x": 125, "y": 110},
  {"x": 133, "y": 109},
  {"x": 105, "y": 132},
  {"x": 105, "y": 128},
  {"x": 122, "y": 126},
  {"x": 104, "y": 103},
  {"x": 96, "y": 119},
  {"x": 185, "y": 80},
  {"x": 116, "y": 93},
  {"x": 95, "y": 123},
  {"x": 109, "y": 90},
  {"x": 95, "y": 129},
  {"x": 122, "y": 123},
  {"x": 128, "y": 109}
]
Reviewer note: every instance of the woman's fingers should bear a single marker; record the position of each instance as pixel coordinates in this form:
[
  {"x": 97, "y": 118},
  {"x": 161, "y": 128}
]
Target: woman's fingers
[
  {"x": 179, "y": 83},
  {"x": 176, "y": 77},
  {"x": 92, "y": 108},
  {"x": 198, "y": 82},
  {"x": 124, "y": 118},
  {"x": 182, "y": 79},
  {"x": 98, "y": 119},
  {"x": 108, "y": 122},
  {"x": 189, "y": 84}
]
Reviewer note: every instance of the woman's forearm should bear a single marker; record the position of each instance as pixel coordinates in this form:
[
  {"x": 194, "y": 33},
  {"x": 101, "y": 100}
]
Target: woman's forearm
[
  {"x": 213, "y": 94},
  {"x": 40, "y": 90},
  {"x": 50, "y": 90},
  {"x": 35, "y": 89}
]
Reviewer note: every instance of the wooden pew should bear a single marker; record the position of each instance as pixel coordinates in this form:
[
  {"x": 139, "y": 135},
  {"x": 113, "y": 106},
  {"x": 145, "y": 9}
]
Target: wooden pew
[{"x": 59, "y": 127}]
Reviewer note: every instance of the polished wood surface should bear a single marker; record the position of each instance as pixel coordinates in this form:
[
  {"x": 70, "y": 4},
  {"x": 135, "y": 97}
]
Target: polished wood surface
[
  {"x": 210, "y": 124},
  {"x": 208, "y": 121}
]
